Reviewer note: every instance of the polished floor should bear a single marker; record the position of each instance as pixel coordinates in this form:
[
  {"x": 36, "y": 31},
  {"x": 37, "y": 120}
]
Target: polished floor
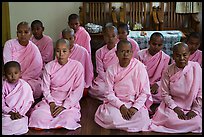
[{"x": 89, "y": 127}]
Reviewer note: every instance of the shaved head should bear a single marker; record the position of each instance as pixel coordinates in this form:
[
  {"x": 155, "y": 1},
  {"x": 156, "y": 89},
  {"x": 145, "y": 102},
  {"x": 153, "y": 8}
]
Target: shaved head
[{"x": 179, "y": 45}]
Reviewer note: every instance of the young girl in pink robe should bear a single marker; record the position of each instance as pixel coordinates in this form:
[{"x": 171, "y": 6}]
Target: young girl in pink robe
[
  {"x": 105, "y": 56},
  {"x": 42, "y": 41},
  {"x": 181, "y": 108},
  {"x": 82, "y": 36},
  {"x": 80, "y": 54},
  {"x": 123, "y": 32},
  {"x": 17, "y": 98},
  {"x": 156, "y": 61},
  {"x": 63, "y": 84},
  {"x": 28, "y": 55},
  {"x": 128, "y": 96},
  {"x": 194, "y": 41}
]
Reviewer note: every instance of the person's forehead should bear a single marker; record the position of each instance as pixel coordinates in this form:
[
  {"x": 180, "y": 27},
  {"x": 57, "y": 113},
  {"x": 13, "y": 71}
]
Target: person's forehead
[
  {"x": 67, "y": 34},
  {"x": 61, "y": 46},
  {"x": 13, "y": 68},
  {"x": 154, "y": 38},
  {"x": 110, "y": 31},
  {"x": 74, "y": 20},
  {"x": 37, "y": 25},
  {"x": 124, "y": 46},
  {"x": 121, "y": 29},
  {"x": 23, "y": 26},
  {"x": 181, "y": 48}
]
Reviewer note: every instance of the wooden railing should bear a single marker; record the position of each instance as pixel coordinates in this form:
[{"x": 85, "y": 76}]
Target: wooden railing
[
  {"x": 95, "y": 12},
  {"x": 170, "y": 20},
  {"x": 132, "y": 12}
]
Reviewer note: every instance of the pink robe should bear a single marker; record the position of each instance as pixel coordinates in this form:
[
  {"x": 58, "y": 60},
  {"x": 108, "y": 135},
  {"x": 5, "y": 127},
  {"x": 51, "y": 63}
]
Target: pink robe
[
  {"x": 30, "y": 60},
  {"x": 104, "y": 58},
  {"x": 155, "y": 65},
  {"x": 182, "y": 88},
  {"x": 45, "y": 45},
  {"x": 196, "y": 57},
  {"x": 16, "y": 97},
  {"x": 135, "y": 47},
  {"x": 129, "y": 86},
  {"x": 80, "y": 54},
  {"x": 63, "y": 85},
  {"x": 83, "y": 39}
]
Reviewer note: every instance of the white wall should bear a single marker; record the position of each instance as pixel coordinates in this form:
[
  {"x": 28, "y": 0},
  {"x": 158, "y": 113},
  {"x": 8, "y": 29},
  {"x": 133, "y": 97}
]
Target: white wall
[{"x": 54, "y": 15}]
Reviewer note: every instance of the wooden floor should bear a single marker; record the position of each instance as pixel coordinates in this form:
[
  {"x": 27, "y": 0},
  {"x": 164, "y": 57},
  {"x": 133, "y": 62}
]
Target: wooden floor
[{"x": 89, "y": 127}]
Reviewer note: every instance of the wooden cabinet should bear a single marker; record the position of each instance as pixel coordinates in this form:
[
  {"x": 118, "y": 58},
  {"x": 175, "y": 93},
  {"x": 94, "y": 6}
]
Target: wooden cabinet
[{"x": 96, "y": 43}]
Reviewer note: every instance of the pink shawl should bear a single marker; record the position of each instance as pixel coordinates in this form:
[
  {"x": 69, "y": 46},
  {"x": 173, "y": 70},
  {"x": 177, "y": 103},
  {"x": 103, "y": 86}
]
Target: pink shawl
[
  {"x": 80, "y": 54},
  {"x": 19, "y": 99},
  {"x": 83, "y": 39}
]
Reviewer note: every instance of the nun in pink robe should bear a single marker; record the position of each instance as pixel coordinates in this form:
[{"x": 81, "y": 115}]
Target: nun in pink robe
[
  {"x": 196, "y": 57},
  {"x": 181, "y": 89},
  {"x": 45, "y": 45},
  {"x": 16, "y": 97},
  {"x": 155, "y": 65},
  {"x": 80, "y": 54},
  {"x": 30, "y": 60},
  {"x": 105, "y": 56},
  {"x": 62, "y": 85},
  {"x": 194, "y": 42},
  {"x": 83, "y": 39},
  {"x": 28, "y": 55},
  {"x": 129, "y": 86},
  {"x": 156, "y": 61}
]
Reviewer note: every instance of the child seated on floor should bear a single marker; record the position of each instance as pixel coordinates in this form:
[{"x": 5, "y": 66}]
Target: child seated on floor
[
  {"x": 105, "y": 56},
  {"x": 80, "y": 54},
  {"x": 156, "y": 61},
  {"x": 17, "y": 98},
  {"x": 63, "y": 85},
  {"x": 181, "y": 87},
  {"x": 42, "y": 41}
]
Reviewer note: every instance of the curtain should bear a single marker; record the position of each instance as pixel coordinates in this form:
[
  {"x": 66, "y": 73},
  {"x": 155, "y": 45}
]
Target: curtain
[
  {"x": 6, "y": 34},
  {"x": 188, "y": 7}
]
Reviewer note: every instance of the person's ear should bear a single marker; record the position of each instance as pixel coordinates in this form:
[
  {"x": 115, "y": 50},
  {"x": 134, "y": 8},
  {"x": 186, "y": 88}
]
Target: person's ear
[{"x": 43, "y": 28}]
